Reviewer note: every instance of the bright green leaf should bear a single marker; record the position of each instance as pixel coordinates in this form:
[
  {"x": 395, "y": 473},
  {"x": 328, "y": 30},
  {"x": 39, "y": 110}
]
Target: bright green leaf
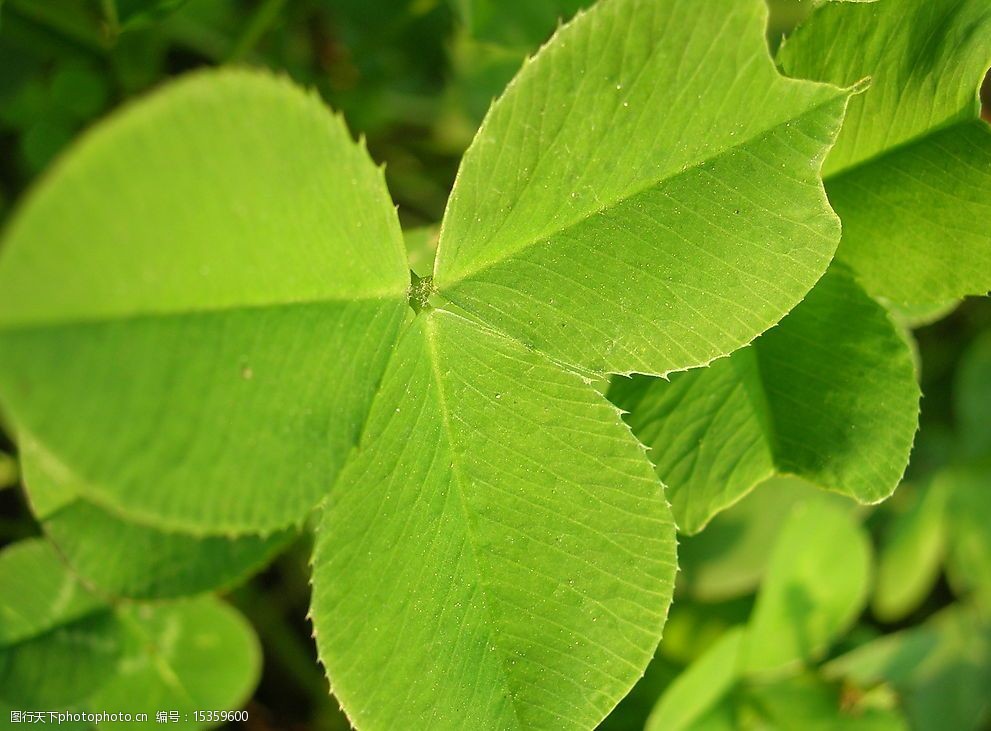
[
  {"x": 208, "y": 285},
  {"x": 502, "y": 515},
  {"x": 621, "y": 212},
  {"x": 829, "y": 395},
  {"x": 816, "y": 585},
  {"x": 910, "y": 174}
]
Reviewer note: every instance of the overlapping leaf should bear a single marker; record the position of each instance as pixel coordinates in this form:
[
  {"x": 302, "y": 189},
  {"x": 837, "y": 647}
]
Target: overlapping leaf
[
  {"x": 809, "y": 703},
  {"x": 969, "y": 530},
  {"x": 829, "y": 395},
  {"x": 124, "y": 558},
  {"x": 614, "y": 159},
  {"x": 910, "y": 174},
  {"x": 64, "y": 650},
  {"x": 465, "y": 568},
  {"x": 193, "y": 655},
  {"x": 38, "y": 593},
  {"x": 947, "y": 521},
  {"x": 562, "y": 196}
]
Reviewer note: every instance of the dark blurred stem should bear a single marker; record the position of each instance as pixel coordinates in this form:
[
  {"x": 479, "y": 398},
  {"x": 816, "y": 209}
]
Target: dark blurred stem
[
  {"x": 282, "y": 644},
  {"x": 12, "y": 531},
  {"x": 257, "y": 26},
  {"x": 110, "y": 17},
  {"x": 48, "y": 17}
]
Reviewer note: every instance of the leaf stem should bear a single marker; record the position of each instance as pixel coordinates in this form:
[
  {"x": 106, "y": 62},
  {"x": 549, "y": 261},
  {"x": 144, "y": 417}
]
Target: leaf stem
[
  {"x": 112, "y": 20},
  {"x": 257, "y": 26},
  {"x": 49, "y": 19}
]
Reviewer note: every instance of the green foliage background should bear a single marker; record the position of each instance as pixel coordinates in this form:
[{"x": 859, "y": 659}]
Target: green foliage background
[{"x": 887, "y": 622}]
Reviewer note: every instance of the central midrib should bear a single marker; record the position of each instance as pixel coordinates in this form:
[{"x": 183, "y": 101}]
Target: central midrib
[
  {"x": 458, "y": 480},
  {"x": 51, "y": 323},
  {"x": 670, "y": 176}
]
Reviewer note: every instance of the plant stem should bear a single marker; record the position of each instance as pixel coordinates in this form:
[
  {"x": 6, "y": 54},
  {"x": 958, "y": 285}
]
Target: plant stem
[
  {"x": 111, "y": 19},
  {"x": 257, "y": 26},
  {"x": 70, "y": 29},
  {"x": 283, "y": 644}
]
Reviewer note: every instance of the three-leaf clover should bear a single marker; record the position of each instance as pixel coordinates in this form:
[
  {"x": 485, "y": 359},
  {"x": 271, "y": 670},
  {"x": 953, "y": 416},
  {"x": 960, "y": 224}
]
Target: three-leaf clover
[{"x": 205, "y": 323}]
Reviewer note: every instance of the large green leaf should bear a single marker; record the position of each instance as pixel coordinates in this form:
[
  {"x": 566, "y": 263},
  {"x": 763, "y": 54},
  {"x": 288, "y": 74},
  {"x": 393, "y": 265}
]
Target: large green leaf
[
  {"x": 829, "y": 395},
  {"x": 498, "y": 554},
  {"x": 209, "y": 285},
  {"x": 910, "y": 174},
  {"x": 816, "y": 585},
  {"x": 621, "y": 211},
  {"x": 123, "y": 558}
]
